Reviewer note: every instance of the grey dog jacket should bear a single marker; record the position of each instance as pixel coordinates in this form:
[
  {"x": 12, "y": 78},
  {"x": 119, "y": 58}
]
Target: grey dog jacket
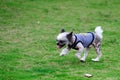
[{"x": 85, "y": 38}]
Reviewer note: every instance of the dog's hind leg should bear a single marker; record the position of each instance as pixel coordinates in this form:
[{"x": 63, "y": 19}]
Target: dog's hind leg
[{"x": 98, "y": 51}]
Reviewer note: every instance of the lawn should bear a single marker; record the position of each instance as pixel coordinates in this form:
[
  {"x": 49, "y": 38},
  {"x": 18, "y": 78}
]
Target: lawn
[{"x": 28, "y": 30}]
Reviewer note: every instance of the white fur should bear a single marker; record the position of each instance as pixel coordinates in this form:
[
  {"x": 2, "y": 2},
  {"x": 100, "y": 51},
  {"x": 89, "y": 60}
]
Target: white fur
[
  {"x": 64, "y": 52},
  {"x": 62, "y": 36},
  {"x": 99, "y": 31}
]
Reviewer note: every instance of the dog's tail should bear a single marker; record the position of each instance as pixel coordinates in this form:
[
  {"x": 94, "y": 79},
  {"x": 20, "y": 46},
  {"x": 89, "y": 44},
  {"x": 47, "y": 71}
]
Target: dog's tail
[{"x": 99, "y": 31}]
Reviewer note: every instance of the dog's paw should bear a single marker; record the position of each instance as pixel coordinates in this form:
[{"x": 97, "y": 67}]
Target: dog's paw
[
  {"x": 62, "y": 54},
  {"x": 95, "y": 60},
  {"x": 82, "y": 60}
]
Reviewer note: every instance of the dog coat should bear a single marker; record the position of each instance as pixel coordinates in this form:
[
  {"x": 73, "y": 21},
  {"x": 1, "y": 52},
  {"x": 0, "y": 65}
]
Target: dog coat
[{"x": 85, "y": 38}]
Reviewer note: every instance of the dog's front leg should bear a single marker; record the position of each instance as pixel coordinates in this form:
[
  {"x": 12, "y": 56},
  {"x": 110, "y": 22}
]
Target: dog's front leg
[
  {"x": 85, "y": 55},
  {"x": 80, "y": 50},
  {"x": 64, "y": 51}
]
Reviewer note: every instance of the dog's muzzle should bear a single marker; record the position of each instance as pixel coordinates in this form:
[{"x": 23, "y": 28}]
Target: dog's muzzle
[{"x": 59, "y": 46}]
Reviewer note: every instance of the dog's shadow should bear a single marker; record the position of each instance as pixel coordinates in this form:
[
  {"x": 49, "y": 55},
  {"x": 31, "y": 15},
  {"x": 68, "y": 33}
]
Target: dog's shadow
[{"x": 73, "y": 62}]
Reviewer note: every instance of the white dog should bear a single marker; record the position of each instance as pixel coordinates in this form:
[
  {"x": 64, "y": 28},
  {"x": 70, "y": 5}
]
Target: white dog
[{"x": 81, "y": 42}]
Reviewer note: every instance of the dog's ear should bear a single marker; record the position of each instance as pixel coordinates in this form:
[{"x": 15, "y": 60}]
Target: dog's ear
[
  {"x": 62, "y": 30},
  {"x": 69, "y": 36}
]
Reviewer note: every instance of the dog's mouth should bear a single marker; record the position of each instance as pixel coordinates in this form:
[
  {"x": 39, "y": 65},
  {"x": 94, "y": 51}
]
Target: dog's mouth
[{"x": 60, "y": 46}]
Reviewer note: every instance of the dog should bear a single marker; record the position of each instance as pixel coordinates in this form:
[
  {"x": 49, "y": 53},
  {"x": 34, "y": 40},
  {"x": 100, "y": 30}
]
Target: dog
[{"x": 80, "y": 42}]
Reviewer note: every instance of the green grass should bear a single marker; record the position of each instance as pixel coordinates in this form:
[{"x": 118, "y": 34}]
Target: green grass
[{"x": 28, "y": 29}]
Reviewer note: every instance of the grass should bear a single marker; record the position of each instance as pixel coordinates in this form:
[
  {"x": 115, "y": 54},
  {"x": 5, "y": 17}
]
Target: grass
[{"x": 28, "y": 29}]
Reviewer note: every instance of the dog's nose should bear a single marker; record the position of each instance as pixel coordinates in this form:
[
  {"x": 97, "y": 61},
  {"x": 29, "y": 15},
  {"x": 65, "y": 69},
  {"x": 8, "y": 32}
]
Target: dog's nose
[{"x": 57, "y": 43}]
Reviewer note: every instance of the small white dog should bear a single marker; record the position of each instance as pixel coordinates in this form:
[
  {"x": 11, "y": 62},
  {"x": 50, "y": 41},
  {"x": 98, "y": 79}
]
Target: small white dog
[{"x": 81, "y": 42}]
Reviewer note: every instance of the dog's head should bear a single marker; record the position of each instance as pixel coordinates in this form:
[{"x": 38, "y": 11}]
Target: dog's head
[{"x": 63, "y": 38}]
